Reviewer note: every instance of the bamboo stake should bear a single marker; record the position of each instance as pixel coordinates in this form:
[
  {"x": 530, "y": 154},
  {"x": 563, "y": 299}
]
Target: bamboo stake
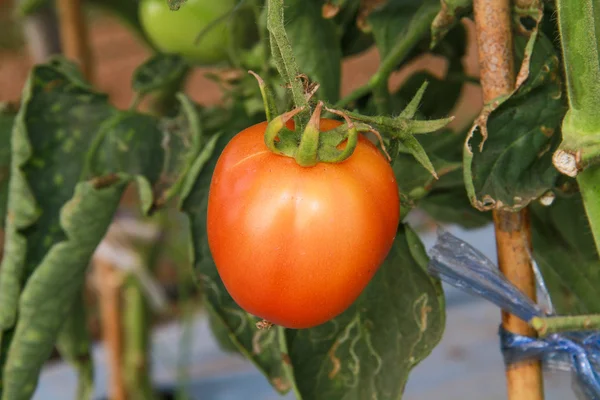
[
  {"x": 513, "y": 235},
  {"x": 109, "y": 281},
  {"x": 74, "y": 35}
]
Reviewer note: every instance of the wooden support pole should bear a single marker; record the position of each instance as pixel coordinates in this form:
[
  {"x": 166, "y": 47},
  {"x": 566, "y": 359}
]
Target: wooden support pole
[
  {"x": 109, "y": 281},
  {"x": 74, "y": 35},
  {"x": 513, "y": 234}
]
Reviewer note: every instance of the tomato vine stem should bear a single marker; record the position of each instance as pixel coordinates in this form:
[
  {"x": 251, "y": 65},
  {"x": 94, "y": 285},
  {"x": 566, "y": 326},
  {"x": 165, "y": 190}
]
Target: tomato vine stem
[
  {"x": 285, "y": 61},
  {"x": 572, "y": 323},
  {"x": 579, "y": 33},
  {"x": 407, "y": 40},
  {"x": 74, "y": 35},
  {"x": 513, "y": 233}
]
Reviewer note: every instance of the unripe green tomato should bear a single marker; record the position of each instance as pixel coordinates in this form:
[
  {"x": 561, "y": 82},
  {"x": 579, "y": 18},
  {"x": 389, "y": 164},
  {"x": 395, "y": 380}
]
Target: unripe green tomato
[{"x": 176, "y": 31}]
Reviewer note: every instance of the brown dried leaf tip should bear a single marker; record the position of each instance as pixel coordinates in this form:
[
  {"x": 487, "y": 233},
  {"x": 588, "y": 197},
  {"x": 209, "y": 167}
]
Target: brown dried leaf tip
[
  {"x": 264, "y": 325},
  {"x": 330, "y": 10},
  {"x": 366, "y": 7}
]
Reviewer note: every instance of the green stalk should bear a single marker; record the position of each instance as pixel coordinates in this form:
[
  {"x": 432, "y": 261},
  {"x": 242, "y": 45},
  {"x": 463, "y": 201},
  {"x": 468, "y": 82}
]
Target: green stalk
[
  {"x": 579, "y": 24},
  {"x": 589, "y": 185},
  {"x": 418, "y": 28},
  {"x": 285, "y": 61},
  {"x": 575, "y": 323},
  {"x": 136, "y": 339}
]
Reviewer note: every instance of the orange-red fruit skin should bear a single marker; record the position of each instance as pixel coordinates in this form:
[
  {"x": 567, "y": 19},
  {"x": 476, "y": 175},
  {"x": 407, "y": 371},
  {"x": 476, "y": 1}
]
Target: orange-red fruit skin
[{"x": 297, "y": 245}]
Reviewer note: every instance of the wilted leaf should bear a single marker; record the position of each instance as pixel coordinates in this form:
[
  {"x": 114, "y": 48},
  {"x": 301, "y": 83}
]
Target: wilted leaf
[
  {"x": 316, "y": 46},
  {"x": 221, "y": 332},
  {"x": 128, "y": 142},
  {"x": 50, "y": 292},
  {"x": 57, "y": 121},
  {"x": 563, "y": 247},
  {"x": 260, "y": 346},
  {"x": 369, "y": 350},
  {"x": 158, "y": 72},
  {"x": 75, "y": 346},
  {"x": 182, "y": 143},
  {"x": 6, "y": 124},
  {"x": 5, "y": 339},
  {"x": 56, "y": 218},
  {"x": 513, "y": 166}
]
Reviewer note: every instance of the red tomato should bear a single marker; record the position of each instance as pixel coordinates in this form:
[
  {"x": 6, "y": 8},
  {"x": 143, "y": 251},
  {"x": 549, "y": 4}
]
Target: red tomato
[{"x": 294, "y": 245}]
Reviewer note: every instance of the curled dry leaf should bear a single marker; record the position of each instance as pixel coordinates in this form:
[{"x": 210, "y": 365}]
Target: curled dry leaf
[
  {"x": 366, "y": 7},
  {"x": 330, "y": 10}
]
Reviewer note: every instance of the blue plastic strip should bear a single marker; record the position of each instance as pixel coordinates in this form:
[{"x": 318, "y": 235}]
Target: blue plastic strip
[{"x": 460, "y": 265}]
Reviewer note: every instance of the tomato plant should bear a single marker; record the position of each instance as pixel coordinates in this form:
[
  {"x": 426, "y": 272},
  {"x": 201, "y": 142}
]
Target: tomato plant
[
  {"x": 295, "y": 189},
  {"x": 297, "y": 245},
  {"x": 177, "y": 31}
]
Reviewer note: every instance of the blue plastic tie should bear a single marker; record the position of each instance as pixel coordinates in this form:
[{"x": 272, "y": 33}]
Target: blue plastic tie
[{"x": 462, "y": 266}]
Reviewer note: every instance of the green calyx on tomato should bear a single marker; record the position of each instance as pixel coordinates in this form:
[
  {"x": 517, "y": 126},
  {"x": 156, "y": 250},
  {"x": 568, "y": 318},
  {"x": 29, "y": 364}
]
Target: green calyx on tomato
[
  {"x": 309, "y": 147},
  {"x": 313, "y": 147},
  {"x": 177, "y": 31},
  {"x": 295, "y": 245}
]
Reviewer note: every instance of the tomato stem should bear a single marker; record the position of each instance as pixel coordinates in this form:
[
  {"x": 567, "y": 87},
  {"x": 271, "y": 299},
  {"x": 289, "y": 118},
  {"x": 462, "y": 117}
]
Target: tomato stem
[
  {"x": 579, "y": 151},
  {"x": 570, "y": 323},
  {"x": 419, "y": 26},
  {"x": 283, "y": 56}
]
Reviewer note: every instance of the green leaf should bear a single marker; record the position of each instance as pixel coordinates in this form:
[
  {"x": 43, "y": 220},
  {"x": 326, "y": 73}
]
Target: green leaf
[
  {"x": 441, "y": 95},
  {"x": 158, "y": 72},
  {"x": 259, "y": 346},
  {"x": 394, "y": 22},
  {"x": 6, "y": 125},
  {"x": 74, "y": 345},
  {"x": 316, "y": 46},
  {"x": 415, "y": 182},
  {"x": 128, "y": 142},
  {"x": 439, "y": 98},
  {"x": 413, "y": 147},
  {"x": 50, "y": 292},
  {"x": 564, "y": 249},
  {"x": 369, "y": 350},
  {"x": 514, "y": 165},
  {"x": 452, "y": 206},
  {"x": 221, "y": 332},
  {"x": 5, "y": 339},
  {"x": 29, "y": 7},
  {"x": 183, "y": 143},
  {"x": 354, "y": 40},
  {"x": 57, "y": 121},
  {"x": 54, "y": 221}
]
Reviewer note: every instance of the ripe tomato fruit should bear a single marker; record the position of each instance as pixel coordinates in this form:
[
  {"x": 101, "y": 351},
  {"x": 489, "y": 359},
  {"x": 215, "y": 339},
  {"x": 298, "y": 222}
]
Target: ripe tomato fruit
[
  {"x": 293, "y": 245},
  {"x": 176, "y": 31}
]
